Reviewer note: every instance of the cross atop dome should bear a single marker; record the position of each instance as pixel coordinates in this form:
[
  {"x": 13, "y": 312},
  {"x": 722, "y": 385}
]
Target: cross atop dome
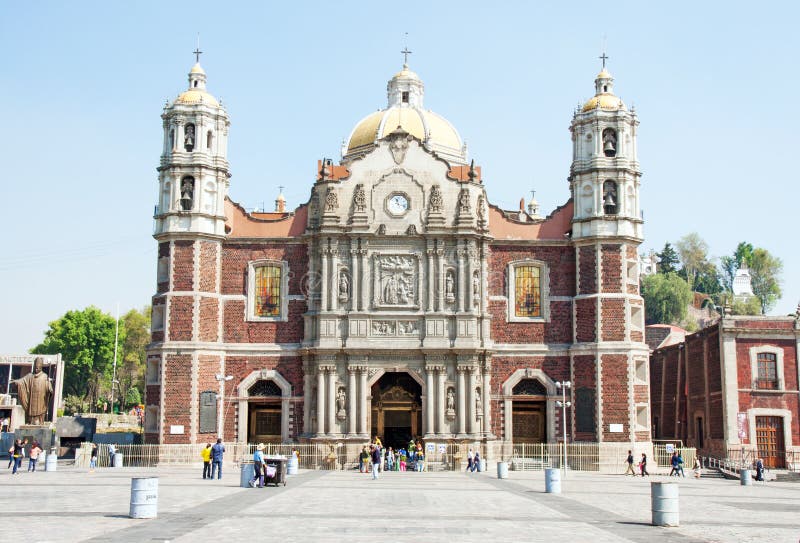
[{"x": 405, "y": 52}]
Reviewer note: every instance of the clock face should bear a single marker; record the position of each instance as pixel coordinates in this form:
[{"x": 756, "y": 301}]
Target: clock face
[{"x": 398, "y": 204}]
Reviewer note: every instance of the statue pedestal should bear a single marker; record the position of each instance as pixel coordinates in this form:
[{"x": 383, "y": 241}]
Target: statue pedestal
[{"x": 42, "y": 433}]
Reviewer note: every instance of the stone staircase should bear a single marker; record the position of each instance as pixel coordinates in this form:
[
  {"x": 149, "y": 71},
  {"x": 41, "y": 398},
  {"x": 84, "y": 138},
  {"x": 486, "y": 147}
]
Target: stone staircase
[{"x": 787, "y": 476}]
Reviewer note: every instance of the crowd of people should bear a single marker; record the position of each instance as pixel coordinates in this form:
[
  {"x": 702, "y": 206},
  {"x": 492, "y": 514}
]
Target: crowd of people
[{"x": 376, "y": 458}]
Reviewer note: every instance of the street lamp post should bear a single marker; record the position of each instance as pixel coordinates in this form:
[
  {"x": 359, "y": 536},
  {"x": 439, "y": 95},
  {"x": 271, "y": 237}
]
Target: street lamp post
[
  {"x": 222, "y": 379},
  {"x": 563, "y": 404}
]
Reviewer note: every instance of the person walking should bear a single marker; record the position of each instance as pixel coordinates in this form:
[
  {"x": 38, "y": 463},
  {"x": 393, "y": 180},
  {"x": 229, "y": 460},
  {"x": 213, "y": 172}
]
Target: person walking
[
  {"x": 205, "y": 454},
  {"x": 33, "y": 456},
  {"x": 390, "y": 460},
  {"x": 629, "y": 461},
  {"x": 680, "y": 466},
  {"x": 697, "y": 467},
  {"x": 470, "y": 457},
  {"x": 759, "y": 470},
  {"x": 17, "y": 452},
  {"x": 643, "y": 465},
  {"x": 258, "y": 462},
  {"x": 217, "y": 451},
  {"x": 375, "y": 454},
  {"x": 476, "y": 461},
  {"x": 93, "y": 458},
  {"x": 674, "y": 463}
]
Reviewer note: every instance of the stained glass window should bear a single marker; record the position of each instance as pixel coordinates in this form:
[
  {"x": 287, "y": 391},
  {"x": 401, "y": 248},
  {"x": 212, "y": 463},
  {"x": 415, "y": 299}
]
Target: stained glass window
[
  {"x": 267, "y": 297},
  {"x": 527, "y": 291}
]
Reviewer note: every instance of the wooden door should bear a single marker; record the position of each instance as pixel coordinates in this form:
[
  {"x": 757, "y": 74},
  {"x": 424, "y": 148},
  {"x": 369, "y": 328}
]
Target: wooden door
[
  {"x": 769, "y": 439},
  {"x": 528, "y": 422}
]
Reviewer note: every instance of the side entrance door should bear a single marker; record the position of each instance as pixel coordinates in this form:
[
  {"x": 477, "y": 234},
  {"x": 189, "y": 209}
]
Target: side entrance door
[{"x": 769, "y": 439}]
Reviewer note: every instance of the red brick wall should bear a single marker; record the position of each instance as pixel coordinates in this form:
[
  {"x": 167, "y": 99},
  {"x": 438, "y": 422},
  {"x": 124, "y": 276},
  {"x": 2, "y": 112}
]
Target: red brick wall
[
  {"x": 615, "y": 398},
  {"x": 208, "y": 266},
  {"x": 237, "y": 330},
  {"x": 586, "y": 321},
  {"x": 178, "y": 396},
  {"x": 236, "y": 256},
  {"x": 181, "y": 313},
  {"x": 588, "y": 270},
  {"x": 183, "y": 266},
  {"x": 613, "y": 319},
  {"x": 611, "y": 271},
  {"x": 209, "y": 319}
]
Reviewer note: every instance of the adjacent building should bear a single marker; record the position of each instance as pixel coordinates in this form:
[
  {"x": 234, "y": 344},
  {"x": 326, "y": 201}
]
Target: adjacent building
[{"x": 731, "y": 389}]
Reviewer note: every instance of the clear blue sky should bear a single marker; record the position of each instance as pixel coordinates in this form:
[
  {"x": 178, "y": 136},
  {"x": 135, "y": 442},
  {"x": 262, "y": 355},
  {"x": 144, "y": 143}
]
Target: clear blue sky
[{"x": 83, "y": 85}]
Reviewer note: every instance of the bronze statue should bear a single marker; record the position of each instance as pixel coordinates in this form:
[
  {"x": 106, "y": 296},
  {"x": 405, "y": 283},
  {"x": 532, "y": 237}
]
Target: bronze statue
[{"x": 34, "y": 392}]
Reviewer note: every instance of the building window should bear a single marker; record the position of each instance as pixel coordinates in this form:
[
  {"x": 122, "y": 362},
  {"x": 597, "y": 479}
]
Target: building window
[
  {"x": 766, "y": 362},
  {"x": 267, "y": 298},
  {"x": 267, "y": 282},
  {"x": 527, "y": 291},
  {"x": 405, "y": 97},
  {"x": 767, "y": 371}
]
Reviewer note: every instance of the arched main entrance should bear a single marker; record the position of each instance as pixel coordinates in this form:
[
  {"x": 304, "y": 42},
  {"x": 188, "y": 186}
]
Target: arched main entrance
[
  {"x": 264, "y": 412},
  {"x": 396, "y": 409},
  {"x": 529, "y": 412}
]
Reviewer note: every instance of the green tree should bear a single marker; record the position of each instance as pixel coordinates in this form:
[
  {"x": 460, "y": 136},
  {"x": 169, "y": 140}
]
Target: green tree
[
  {"x": 751, "y": 306},
  {"x": 85, "y": 340},
  {"x": 707, "y": 280},
  {"x": 667, "y": 260},
  {"x": 765, "y": 271},
  {"x": 729, "y": 265},
  {"x": 693, "y": 252},
  {"x": 130, "y": 373},
  {"x": 666, "y": 297}
]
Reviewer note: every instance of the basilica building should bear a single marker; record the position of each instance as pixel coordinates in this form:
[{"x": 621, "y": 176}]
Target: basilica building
[{"x": 398, "y": 301}]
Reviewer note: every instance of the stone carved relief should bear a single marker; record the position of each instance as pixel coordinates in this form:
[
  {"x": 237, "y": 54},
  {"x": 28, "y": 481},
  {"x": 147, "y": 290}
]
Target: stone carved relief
[
  {"x": 411, "y": 230},
  {"x": 331, "y": 200},
  {"x": 359, "y": 199},
  {"x": 451, "y": 403},
  {"x": 481, "y": 209},
  {"x": 341, "y": 402},
  {"x": 435, "y": 202},
  {"x": 383, "y": 328},
  {"x": 406, "y": 327},
  {"x": 398, "y": 147},
  {"x": 476, "y": 288},
  {"x": 449, "y": 287},
  {"x": 344, "y": 286},
  {"x": 463, "y": 202},
  {"x": 397, "y": 278}
]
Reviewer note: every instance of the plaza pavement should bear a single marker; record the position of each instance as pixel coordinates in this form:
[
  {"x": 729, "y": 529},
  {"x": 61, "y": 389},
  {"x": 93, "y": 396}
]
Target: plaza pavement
[{"x": 74, "y": 505}]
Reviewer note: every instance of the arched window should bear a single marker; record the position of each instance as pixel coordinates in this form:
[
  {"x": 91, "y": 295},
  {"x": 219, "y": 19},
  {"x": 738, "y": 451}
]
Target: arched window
[
  {"x": 187, "y": 193},
  {"x": 610, "y": 142},
  {"x": 610, "y": 198},
  {"x": 189, "y": 137},
  {"x": 209, "y": 140}
]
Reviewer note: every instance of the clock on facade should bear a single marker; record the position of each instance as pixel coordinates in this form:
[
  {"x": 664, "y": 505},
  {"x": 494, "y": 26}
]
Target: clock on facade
[{"x": 397, "y": 204}]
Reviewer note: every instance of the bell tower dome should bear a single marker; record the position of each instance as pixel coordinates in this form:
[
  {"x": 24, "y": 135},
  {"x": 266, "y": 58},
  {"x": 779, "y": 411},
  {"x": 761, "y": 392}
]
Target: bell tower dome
[
  {"x": 605, "y": 176},
  {"x": 193, "y": 172}
]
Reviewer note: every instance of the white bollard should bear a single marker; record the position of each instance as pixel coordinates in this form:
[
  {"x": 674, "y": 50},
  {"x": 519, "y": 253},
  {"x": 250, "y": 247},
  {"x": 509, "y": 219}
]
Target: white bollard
[
  {"x": 664, "y": 498},
  {"x": 552, "y": 480},
  {"x": 144, "y": 497}
]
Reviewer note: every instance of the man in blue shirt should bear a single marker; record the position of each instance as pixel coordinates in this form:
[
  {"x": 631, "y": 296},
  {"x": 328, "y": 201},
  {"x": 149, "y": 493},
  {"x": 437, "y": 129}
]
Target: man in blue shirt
[{"x": 216, "y": 458}]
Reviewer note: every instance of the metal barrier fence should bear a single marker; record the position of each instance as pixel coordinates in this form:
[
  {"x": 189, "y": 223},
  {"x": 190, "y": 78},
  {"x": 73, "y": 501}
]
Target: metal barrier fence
[{"x": 446, "y": 456}]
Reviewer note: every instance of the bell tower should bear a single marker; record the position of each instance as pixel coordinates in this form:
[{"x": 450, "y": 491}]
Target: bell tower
[
  {"x": 609, "y": 356},
  {"x": 189, "y": 228}
]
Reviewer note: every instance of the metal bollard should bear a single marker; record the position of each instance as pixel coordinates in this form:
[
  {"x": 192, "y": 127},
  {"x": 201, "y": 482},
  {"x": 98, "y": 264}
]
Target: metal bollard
[
  {"x": 552, "y": 480},
  {"x": 745, "y": 477},
  {"x": 144, "y": 497},
  {"x": 502, "y": 470},
  {"x": 664, "y": 498},
  {"x": 247, "y": 474}
]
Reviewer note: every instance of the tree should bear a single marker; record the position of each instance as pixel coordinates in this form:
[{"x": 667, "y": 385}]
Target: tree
[
  {"x": 666, "y": 297},
  {"x": 731, "y": 264},
  {"x": 667, "y": 260},
  {"x": 130, "y": 373},
  {"x": 765, "y": 271},
  {"x": 693, "y": 252},
  {"x": 708, "y": 280},
  {"x": 85, "y": 340}
]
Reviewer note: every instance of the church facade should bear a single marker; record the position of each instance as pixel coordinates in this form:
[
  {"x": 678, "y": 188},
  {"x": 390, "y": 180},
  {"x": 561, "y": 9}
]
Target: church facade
[{"x": 398, "y": 301}]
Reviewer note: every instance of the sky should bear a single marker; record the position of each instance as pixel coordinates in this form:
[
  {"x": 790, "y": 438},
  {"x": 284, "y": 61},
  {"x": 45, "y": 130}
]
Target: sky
[{"x": 83, "y": 85}]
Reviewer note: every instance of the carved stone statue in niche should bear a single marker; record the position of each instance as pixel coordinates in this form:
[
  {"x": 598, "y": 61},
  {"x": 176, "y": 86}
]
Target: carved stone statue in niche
[
  {"x": 449, "y": 287},
  {"x": 435, "y": 202},
  {"x": 397, "y": 280},
  {"x": 341, "y": 401},
  {"x": 331, "y": 200},
  {"x": 476, "y": 288},
  {"x": 463, "y": 201},
  {"x": 344, "y": 286},
  {"x": 451, "y": 403},
  {"x": 398, "y": 147},
  {"x": 481, "y": 209},
  {"x": 187, "y": 193},
  {"x": 188, "y": 138},
  {"x": 359, "y": 199},
  {"x": 478, "y": 403},
  {"x": 411, "y": 230}
]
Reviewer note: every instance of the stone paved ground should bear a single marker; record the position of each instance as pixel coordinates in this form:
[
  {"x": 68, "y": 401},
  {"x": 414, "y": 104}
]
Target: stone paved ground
[{"x": 73, "y": 505}]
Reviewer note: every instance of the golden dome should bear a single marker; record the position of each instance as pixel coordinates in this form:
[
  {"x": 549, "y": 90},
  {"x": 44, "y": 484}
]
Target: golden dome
[
  {"x": 430, "y": 128},
  {"x": 196, "y": 96},
  {"x": 607, "y": 101}
]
